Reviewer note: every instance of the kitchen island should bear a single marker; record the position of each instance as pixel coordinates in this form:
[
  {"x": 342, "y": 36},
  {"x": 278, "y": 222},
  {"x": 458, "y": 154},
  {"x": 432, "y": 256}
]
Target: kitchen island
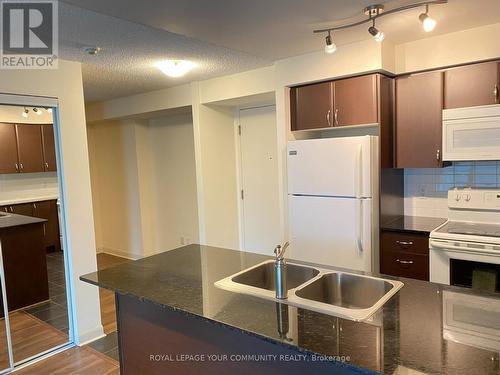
[
  {"x": 171, "y": 317},
  {"x": 24, "y": 261}
]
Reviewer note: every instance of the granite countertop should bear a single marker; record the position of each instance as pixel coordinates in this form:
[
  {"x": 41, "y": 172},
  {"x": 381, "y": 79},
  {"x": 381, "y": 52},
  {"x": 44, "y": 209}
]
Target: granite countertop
[
  {"x": 413, "y": 330},
  {"x": 8, "y": 220},
  {"x": 415, "y": 224}
]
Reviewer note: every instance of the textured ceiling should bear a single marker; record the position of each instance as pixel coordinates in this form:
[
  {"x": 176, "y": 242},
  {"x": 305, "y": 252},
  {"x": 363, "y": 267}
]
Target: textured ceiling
[
  {"x": 125, "y": 65},
  {"x": 226, "y": 36}
]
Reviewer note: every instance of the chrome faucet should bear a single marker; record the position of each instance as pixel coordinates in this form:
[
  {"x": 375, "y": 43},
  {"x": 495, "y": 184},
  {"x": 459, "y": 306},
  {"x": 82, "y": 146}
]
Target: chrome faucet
[{"x": 280, "y": 271}]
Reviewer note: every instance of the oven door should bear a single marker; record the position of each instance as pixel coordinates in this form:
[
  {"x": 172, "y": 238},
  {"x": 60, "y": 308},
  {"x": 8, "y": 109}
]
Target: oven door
[
  {"x": 471, "y": 320},
  {"x": 443, "y": 253}
]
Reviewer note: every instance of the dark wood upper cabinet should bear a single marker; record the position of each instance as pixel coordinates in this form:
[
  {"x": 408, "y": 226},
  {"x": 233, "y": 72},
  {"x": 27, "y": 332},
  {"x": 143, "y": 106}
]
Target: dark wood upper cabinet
[
  {"x": 419, "y": 105},
  {"x": 356, "y": 101},
  {"x": 29, "y": 148},
  {"x": 8, "y": 149},
  {"x": 472, "y": 85},
  {"x": 312, "y": 106},
  {"x": 49, "y": 149}
]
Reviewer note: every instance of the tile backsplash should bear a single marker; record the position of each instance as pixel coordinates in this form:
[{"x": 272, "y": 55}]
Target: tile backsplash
[{"x": 426, "y": 189}]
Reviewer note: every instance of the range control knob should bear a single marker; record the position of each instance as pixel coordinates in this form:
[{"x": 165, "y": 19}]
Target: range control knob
[
  {"x": 467, "y": 197},
  {"x": 457, "y": 197}
]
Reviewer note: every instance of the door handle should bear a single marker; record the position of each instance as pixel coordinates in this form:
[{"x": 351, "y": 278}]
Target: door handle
[
  {"x": 495, "y": 92},
  {"x": 21, "y": 166},
  {"x": 336, "y": 116},
  {"x": 359, "y": 239},
  {"x": 438, "y": 154},
  {"x": 328, "y": 117},
  {"x": 17, "y": 167},
  {"x": 405, "y": 243}
]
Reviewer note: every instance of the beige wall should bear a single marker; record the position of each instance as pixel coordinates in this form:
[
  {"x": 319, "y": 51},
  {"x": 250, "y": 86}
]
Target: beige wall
[
  {"x": 143, "y": 185},
  {"x": 174, "y": 187},
  {"x": 481, "y": 43},
  {"x": 65, "y": 84}
]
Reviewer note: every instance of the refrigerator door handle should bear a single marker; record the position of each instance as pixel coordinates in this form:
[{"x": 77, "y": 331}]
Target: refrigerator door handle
[
  {"x": 359, "y": 237},
  {"x": 358, "y": 172}
]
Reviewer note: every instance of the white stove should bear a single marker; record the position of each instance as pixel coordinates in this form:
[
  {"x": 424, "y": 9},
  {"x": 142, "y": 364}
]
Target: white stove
[{"x": 471, "y": 234}]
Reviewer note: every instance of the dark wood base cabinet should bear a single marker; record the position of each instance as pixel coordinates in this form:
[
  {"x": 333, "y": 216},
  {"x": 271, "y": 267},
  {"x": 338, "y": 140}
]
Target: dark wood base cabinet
[
  {"x": 156, "y": 340},
  {"x": 47, "y": 210},
  {"x": 25, "y": 266},
  {"x": 404, "y": 255}
]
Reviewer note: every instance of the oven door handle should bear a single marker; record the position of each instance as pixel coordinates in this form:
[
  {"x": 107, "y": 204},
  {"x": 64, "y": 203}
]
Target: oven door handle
[{"x": 463, "y": 249}]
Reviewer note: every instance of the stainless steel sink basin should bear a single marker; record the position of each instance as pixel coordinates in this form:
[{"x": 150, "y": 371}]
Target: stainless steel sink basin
[
  {"x": 263, "y": 277},
  {"x": 344, "y": 294},
  {"x": 346, "y": 290}
]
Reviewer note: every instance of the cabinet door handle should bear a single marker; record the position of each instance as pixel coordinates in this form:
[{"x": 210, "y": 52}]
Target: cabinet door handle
[
  {"x": 21, "y": 166},
  {"x": 46, "y": 165},
  {"x": 34, "y": 206},
  {"x": 336, "y": 116},
  {"x": 328, "y": 117},
  {"x": 438, "y": 154},
  {"x": 11, "y": 209},
  {"x": 405, "y": 243},
  {"x": 405, "y": 262},
  {"x": 495, "y": 92},
  {"x": 17, "y": 167}
]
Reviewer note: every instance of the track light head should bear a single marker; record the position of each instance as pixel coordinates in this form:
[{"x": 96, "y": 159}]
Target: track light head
[
  {"x": 376, "y": 33},
  {"x": 330, "y": 46},
  {"x": 428, "y": 23},
  {"x": 37, "y": 111},
  {"x": 25, "y": 112}
]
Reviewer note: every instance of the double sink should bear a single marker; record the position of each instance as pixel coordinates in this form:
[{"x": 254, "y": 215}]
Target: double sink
[{"x": 343, "y": 294}]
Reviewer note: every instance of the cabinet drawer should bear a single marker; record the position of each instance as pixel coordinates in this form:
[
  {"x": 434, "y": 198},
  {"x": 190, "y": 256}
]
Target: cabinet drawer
[
  {"x": 405, "y": 243},
  {"x": 413, "y": 266}
]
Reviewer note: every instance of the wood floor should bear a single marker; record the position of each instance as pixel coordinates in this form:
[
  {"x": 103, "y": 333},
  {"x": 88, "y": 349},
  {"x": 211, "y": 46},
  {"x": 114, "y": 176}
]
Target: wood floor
[
  {"x": 108, "y": 313},
  {"x": 31, "y": 336},
  {"x": 77, "y": 360}
]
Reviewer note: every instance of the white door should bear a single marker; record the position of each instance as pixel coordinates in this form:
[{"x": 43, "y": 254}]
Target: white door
[
  {"x": 259, "y": 180},
  {"x": 331, "y": 231},
  {"x": 339, "y": 167}
]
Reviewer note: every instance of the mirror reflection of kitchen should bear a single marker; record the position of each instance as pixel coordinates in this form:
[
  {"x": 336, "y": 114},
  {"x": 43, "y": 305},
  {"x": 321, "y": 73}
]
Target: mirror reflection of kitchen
[{"x": 33, "y": 272}]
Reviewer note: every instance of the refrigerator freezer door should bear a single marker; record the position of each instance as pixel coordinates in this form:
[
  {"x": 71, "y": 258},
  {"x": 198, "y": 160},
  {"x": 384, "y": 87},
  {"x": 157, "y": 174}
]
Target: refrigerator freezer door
[
  {"x": 339, "y": 167},
  {"x": 331, "y": 231}
]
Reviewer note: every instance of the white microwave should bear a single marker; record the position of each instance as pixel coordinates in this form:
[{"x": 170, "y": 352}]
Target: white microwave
[{"x": 471, "y": 133}]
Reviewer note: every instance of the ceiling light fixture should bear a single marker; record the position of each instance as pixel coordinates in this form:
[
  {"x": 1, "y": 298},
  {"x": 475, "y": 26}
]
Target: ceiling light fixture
[
  {"x": 428, "y": 23},
  {"x": 376, "y": 11},
  {"x": 330, "y": 46},
  {"x": 376, "y": 33},
  {"x": 25, "y": 112},
  {"x": 175, "y": 68},
  {"x": 37, "y": 111}
]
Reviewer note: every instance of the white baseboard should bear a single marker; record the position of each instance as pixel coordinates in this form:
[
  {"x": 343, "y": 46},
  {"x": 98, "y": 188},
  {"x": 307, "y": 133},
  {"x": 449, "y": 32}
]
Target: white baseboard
[
  {"x": 118, "y": 253},
  {"x": 91, "y": 335}
]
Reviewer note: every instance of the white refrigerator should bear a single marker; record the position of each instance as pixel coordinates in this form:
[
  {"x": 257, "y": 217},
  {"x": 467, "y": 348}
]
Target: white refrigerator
[{"x": 333, "y": 201}]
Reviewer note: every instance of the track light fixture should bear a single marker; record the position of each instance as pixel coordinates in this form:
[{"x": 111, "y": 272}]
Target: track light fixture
[
  {"x": 376, "y": 33},
  {"x": 377, "y": 10},
  {"x": 330, "y": 46},
  {"x": 428, "y": 23}
]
